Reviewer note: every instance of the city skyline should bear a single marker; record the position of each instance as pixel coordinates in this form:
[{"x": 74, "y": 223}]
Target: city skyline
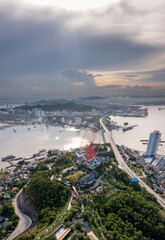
[{"x": 72, "y": 50}]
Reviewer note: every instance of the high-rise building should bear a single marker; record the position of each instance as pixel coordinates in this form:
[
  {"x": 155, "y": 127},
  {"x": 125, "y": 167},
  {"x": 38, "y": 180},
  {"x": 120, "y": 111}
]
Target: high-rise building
[
  {"x": 153, "y": 143},
  {"x": 38, "y": 112},
  {"x": 78, "y": 121},
  {"x": 63, "y": 120}
]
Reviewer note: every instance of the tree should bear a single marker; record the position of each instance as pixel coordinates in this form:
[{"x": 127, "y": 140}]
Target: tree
[
  {"x": 3, "y": 232},
  {"x": 128, "y": 215},
  {"x": 51, "y": 237},
  {"x": 27, "y": 237},
  {"x": 42, "y": 167},
  {"x": 9, "y": 225}
]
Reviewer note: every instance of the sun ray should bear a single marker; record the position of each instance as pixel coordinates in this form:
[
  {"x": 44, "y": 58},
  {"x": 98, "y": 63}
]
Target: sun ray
[{"x": 74, "y": 5}]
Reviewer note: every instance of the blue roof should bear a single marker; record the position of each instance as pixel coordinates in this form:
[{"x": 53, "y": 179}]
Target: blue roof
[{"x": 134, "y": 179}]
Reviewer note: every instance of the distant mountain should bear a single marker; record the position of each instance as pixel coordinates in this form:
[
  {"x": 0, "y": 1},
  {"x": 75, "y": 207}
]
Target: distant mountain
[
  {"x": 59, "y": 106},
  {"x": 48, "y": 102},
  {"x": 93, "y": 98},
  {"x": 141, "y": 96}
]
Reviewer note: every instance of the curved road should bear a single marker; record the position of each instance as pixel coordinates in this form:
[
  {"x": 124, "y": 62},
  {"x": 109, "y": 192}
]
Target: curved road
[
  {"x": 122, "y": 164},
  {"x": 24, "y": 221},
  {"x": 70, "y": 201}
]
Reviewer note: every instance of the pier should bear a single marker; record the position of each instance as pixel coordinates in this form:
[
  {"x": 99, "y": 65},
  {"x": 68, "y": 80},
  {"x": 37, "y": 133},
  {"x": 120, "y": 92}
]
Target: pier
[
  {"x": 129, "y": 128},
  {"x": 6, "y": 126}
]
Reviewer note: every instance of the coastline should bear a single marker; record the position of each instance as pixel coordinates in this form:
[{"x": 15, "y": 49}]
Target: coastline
[
  {"x": 132, "y": 138},
  {"x": 24, "y": 143}
]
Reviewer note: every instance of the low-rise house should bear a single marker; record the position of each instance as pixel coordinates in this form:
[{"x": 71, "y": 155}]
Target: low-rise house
[
  {"x": 92, "y": 236},
  {"x": 25, "y": 176},
  {"x": 68, "y": 169},
  {"x": 89, "y": 179},
  {"x": 6, "y": 196},
  {"x": 96, "y": 162},
  {"x": 3, "y": 225},
  {"x": 39, "y": 158},
  {"x": 1, "y": 218},
  {"x": 50, "y": 165}
]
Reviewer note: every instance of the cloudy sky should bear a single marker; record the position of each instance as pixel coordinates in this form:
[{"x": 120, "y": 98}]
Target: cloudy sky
[{"x": 74, "y": 48}]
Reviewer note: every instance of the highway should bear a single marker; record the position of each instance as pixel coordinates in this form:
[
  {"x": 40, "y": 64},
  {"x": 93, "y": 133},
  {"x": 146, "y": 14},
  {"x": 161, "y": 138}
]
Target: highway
[
  {"x": 122, "y": 164},
  {"x": 24, "y": 221}
]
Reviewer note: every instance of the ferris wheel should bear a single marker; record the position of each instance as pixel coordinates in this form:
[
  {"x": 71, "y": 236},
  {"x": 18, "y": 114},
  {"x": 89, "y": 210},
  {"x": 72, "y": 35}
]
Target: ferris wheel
[{"x": 90, "y": 143}]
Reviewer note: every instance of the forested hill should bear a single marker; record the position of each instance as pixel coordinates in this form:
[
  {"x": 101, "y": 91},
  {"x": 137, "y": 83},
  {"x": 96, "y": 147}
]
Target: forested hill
[
  {"x": 131, "y": 214},
  {"x": 46, "y": 196},
  {"x": 122, "y": 210}
]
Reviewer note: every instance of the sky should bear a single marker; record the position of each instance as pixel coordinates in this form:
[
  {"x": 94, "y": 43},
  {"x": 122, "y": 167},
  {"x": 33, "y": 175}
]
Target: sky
[{"x": 72, "y": 48}]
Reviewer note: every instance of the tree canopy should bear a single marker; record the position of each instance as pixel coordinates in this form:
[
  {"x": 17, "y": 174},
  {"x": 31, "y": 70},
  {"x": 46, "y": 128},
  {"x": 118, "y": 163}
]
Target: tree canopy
[{"x": 46, "y": 195}]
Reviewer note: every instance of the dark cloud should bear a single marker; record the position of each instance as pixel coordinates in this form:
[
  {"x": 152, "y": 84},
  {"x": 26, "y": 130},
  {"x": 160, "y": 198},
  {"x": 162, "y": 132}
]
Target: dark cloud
[
  {"x": 156, "y": 76},
  {"x": 131, "y": 75},
  {"x": 79, "y": 76},
  {"x": 138, "y": 87},
  {"x": 136, "y": 90},
  {"x": 112, "y": 86},
  {"x": 111, "y": 52},
  {"x": 43, "y": 50},
  {"x": 147, "y": 76},
  {"x": 131, "y": 91},
  {"x": 34, "y": 46}
]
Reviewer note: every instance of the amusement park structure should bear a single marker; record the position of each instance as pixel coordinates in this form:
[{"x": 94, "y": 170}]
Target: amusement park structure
[{"x": 90, "y": 144}]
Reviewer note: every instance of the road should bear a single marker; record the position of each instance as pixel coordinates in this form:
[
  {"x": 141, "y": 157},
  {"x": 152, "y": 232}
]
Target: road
[
  {"x": 96, "y": 183},
  {"x": 122, "y": 164},
  {"x": 70, "y": 201},
  {"x": 24, "y": 222}
]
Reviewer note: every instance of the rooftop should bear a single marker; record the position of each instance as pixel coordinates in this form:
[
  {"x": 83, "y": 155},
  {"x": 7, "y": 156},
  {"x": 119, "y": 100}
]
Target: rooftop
[{"x": 92, "y": 236}]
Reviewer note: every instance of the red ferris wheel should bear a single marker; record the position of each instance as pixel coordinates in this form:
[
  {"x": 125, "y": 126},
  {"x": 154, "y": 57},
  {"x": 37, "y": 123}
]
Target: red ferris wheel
[{"x": 90, "y": 144}]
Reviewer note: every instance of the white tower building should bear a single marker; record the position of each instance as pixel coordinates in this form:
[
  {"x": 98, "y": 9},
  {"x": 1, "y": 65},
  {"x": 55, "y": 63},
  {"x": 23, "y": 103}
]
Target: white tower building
[
  {"x": 63, "y": 120},
  {"x": 153, "y": 143},
  {"x": 78, "y": 121}
]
